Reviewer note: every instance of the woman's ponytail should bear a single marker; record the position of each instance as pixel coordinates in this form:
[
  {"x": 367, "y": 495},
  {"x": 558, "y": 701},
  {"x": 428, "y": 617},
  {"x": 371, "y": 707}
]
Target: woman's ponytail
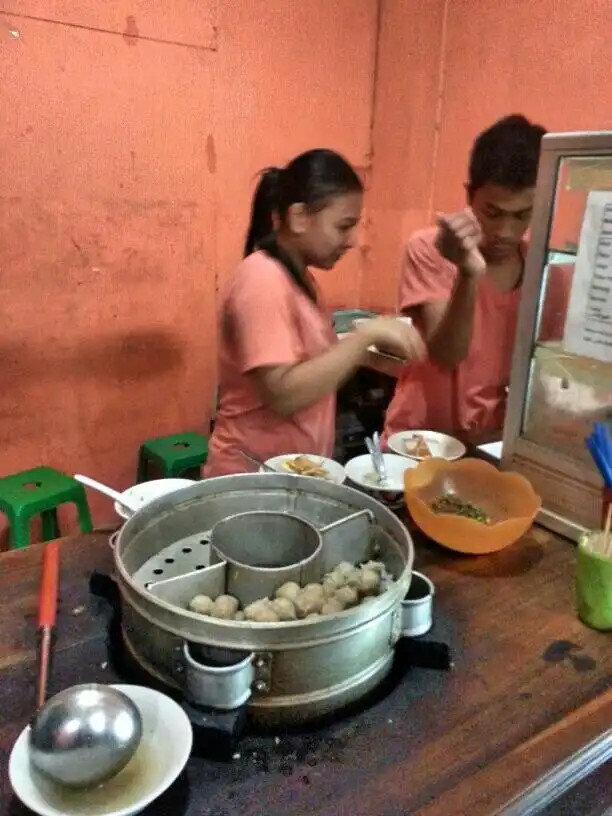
[{"x": 264, "y": 205}]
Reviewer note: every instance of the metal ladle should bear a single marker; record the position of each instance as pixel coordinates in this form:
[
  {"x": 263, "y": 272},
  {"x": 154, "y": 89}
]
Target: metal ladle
[
  {"x": 255, "y": 461},
  {"x": 86, "y": 734},
  {"x": 106, "y": 491}
]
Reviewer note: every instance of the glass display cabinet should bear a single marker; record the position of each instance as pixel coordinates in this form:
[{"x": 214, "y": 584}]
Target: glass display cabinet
[{"x": 561, "y": 380}]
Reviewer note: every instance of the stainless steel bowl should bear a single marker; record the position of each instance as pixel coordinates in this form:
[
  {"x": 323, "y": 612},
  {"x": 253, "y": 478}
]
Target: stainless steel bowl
[{"x": 85, "y": 735}]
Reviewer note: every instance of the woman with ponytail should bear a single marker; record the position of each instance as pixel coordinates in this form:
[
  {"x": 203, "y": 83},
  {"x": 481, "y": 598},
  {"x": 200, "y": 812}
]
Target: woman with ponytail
[{"x": 280, "y": 364}]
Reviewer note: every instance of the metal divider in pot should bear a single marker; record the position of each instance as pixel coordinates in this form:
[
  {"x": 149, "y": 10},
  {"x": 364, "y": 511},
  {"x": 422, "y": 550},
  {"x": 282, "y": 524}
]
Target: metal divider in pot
[
  {"x": 263, "y": 550},
  {"x": 348, "y": 539},
  {"x": 180, "y": 589}
]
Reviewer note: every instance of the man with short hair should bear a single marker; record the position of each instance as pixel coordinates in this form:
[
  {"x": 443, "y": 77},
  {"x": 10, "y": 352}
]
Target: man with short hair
[{"x": 460, "y": 283}]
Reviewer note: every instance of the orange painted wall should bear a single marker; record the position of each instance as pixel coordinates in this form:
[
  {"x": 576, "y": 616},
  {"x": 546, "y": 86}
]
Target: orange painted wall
[
  {"x": 130, "y": 136},
  {"x": 446, "y": 74}
]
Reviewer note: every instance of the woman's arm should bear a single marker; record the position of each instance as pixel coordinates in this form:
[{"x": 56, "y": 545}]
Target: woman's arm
[
  {"x": 289, "y": 389},
  {"x": 259, "y": 322}
]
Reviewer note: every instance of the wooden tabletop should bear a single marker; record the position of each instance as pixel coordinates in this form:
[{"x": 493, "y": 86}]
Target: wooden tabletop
[{"x": 525, "y": 713}]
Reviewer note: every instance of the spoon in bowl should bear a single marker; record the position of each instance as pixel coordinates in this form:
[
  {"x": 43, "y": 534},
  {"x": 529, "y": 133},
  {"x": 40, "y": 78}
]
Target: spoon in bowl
[{"x": 107, "y": 491}]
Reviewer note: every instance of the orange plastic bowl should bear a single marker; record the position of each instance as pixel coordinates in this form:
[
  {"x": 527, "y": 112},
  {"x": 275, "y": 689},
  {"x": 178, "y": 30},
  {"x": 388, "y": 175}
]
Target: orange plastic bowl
[{"x": 507, "y": 498}]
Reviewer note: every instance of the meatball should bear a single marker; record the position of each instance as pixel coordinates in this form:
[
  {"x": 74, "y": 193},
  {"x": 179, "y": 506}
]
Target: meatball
[
  {"x": 331, "y": 583},
  {"x": 353, "y": 577},
  {"x": 347, "y": 596},
  {"x": 343, "y": 568},
  {"x": 307, "y": 603},
  {"x": 368, "y": 582},
  {"x": 225, "y": 607},
  {"x": 261, "y": 612},
  {"x": 377, "y": 566},
  {"x": 315, "y": 589},
  {"x": 284, "y": 608},
  {"x": 289, "y": 590},
  {"x": 201, "y": 604},
  {"x": 331, "y": 607}
]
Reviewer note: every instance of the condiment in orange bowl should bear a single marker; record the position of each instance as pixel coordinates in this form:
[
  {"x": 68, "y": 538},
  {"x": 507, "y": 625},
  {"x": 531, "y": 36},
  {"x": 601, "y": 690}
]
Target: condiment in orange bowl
[{"x": 469, "y": 505}]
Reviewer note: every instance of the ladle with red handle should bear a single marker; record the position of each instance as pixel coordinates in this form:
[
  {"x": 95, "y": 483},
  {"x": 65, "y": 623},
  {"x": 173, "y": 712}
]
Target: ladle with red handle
[
  {"x": 86, "y": 734},
  {"x": 47, "y": 612}
]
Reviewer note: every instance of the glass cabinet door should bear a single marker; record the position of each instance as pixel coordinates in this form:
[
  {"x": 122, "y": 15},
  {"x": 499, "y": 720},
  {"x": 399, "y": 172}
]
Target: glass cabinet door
[{"x": 566, "y": 391}]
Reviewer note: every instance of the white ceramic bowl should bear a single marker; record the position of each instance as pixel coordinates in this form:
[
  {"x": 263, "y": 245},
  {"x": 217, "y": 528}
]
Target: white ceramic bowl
[
  {"x": 335, "y": 471},
  {"x": 360, "y": 471},
  {"x": 142, "y": 494},
  {"x": 441, "y": 445},
  {"x": 161, "y": 756}
]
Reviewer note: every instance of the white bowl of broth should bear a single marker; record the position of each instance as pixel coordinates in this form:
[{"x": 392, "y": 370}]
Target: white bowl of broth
[{"x": 360, "y": 471}]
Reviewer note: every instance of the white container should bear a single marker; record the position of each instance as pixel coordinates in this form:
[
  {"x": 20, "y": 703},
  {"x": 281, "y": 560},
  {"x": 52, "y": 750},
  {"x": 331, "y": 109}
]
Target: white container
[{"x": 417, "y": 606}]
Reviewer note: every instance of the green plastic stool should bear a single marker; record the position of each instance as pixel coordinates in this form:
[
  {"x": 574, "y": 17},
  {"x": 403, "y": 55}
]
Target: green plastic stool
[
  {"x": 39, "y": 492},
  {"x": 174, "y": 454}
]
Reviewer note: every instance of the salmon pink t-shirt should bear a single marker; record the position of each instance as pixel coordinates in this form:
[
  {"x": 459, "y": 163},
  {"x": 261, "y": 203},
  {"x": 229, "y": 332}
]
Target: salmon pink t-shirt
[
  {"x": 472, "y": 397},
  {"x": 266, "y": 321}
]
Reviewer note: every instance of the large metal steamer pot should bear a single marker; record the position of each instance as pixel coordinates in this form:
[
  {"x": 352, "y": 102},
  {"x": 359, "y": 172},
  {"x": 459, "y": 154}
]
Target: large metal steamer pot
[{"x": 287, "y": 672}]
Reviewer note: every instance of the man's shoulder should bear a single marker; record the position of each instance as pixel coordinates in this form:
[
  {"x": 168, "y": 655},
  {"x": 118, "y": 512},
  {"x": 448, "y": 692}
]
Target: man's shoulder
[
  {"x": 425, "y": 275},
  {"x": 423, "y": 240},
  {"x": 420, "y": 251}
]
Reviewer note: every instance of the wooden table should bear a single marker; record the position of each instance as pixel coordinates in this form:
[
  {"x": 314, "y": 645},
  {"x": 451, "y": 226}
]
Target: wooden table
[{"x": 525, "y": 714}]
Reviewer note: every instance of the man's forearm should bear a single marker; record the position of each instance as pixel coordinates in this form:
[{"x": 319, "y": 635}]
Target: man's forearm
[{"x": 450, "y": 341}]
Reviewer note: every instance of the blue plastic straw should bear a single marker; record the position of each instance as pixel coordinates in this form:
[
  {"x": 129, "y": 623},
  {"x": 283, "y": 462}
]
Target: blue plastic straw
[
  {"x": 604, "y": 440},
  {"x": 604, "y": 465}
]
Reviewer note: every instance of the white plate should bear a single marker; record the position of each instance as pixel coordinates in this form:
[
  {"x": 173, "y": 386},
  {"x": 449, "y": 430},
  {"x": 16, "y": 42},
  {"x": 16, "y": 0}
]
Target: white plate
[
  {"x": 440, "y": 445},
  {"x": 142, "y": 494},
  {"x": 335, "y": 471},
  {"x": 361, "y": 471},
  {"x": 161, "y": 756}
]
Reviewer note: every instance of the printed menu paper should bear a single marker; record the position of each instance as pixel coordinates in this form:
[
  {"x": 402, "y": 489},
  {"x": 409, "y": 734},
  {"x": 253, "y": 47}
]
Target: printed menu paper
[{"x": 588, "y": 328}]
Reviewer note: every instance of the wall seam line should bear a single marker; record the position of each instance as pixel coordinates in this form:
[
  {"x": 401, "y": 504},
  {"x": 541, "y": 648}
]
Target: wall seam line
[{"x": 439, "y": 108}]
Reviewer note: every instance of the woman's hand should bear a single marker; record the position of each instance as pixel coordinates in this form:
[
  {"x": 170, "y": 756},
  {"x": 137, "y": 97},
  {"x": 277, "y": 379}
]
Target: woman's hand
[
  {"x": 288, "y": 389},
  {"x": 395, "y": 337},
  {"x": 458, "y": 240}
]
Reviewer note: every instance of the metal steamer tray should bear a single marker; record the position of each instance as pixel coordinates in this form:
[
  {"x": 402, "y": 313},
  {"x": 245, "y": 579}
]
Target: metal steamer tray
[{"x": 285, "y": 672}]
